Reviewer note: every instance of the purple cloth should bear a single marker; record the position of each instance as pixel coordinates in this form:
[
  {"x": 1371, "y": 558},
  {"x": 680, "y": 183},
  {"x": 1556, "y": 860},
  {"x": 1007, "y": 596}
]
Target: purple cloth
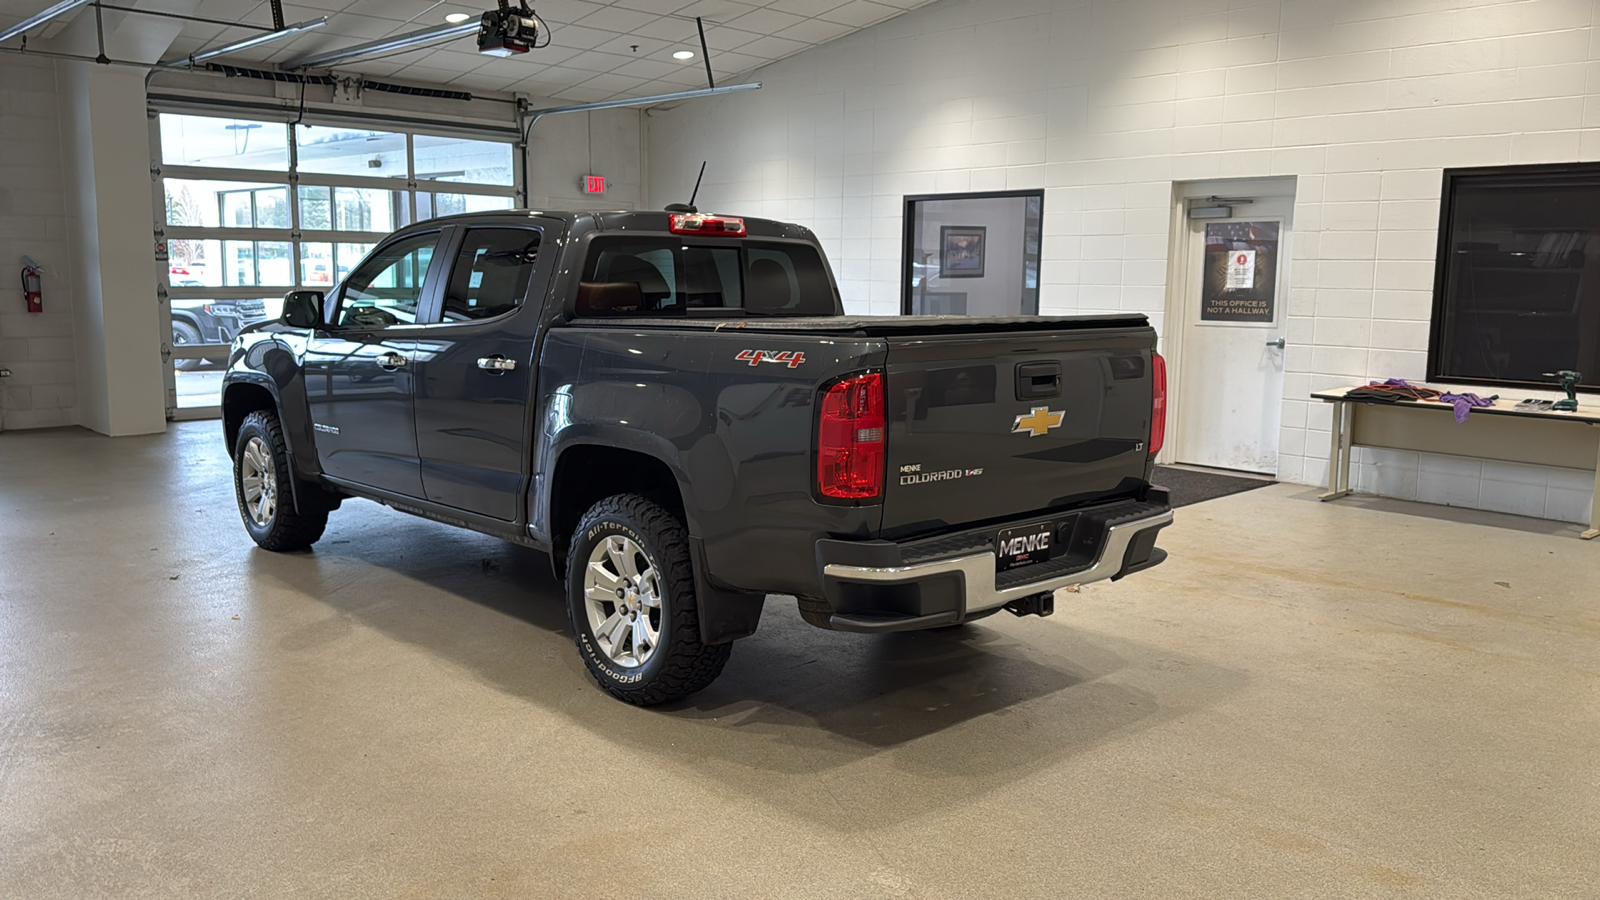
[{"x": 1464, "y": 403}]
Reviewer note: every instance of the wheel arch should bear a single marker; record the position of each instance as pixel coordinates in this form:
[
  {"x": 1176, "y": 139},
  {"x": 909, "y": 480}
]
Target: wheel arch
[
  {"x": 586, "y": 473},
  {"x": 240, "y": 399}
]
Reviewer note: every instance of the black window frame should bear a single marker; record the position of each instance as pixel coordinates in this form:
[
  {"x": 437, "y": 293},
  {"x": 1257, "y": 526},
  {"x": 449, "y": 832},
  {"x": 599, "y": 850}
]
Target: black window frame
[
  {"x": 908, "y": 238},
  {"x": 1533, "y": 175}
]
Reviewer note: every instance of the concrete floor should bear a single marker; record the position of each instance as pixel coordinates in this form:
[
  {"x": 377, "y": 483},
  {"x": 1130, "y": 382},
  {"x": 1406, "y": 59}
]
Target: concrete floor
[{"x": 1308, "y": 700}]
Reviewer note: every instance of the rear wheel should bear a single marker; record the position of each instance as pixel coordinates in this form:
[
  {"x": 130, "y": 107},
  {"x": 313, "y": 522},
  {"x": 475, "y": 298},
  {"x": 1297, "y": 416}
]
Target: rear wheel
[
  {"x": 261, "y": 482},
  {"x": 630, "y": 593},
  {"x": 184, "y": 334}
]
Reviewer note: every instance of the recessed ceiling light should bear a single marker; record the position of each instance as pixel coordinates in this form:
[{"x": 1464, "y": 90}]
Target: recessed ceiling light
[
  {"x": 683, "y": 54},
  {"x": 457, "y": 18}
]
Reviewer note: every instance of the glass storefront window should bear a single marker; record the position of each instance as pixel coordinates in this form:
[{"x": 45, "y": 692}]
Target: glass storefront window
[
  {"x": 352, "y": 209},
  {"x": 350, "y": 151},
  {"x": 226, "y": 204},
  {"x": 192, "y": 263},
  {"x": 255, "y": 207},
  {"x": 257, "y": 264},
  {"x": 432, "y": 205},
  {"x": 323, "y": 264},
  {"x": 224, "y": 143},
  {"x": 347, "y": 256},
  {"x": 462, "y": 161}
]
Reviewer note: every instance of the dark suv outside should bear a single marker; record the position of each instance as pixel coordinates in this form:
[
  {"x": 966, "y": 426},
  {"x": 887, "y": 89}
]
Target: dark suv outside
[{"x": 212, "y": 322}]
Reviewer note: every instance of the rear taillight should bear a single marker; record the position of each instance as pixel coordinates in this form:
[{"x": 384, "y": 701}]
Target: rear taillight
[
  {"x": 719, "y": 226},
  {"x": 850, "y": 439},
  {"x": 1158, "y": 403}
]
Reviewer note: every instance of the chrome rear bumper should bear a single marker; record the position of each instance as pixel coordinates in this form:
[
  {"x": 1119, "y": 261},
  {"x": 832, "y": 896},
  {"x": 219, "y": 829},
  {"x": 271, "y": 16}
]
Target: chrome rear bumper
[{"x": 972, "y": 577}]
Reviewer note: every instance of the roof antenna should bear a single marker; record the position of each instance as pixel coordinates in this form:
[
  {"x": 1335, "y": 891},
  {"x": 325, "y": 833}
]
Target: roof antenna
[{"x": 689, "y": 207}]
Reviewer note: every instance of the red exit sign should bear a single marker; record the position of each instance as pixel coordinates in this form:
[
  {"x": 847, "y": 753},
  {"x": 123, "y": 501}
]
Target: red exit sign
[{"x": 594, "y": 184}]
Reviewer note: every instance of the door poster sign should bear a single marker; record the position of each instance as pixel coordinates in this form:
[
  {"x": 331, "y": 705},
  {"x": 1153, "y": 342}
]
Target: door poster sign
[{"x": 1241, "y": 276}]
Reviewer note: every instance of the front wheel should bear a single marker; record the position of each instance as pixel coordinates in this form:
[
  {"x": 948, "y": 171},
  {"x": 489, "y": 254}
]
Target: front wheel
[
  {"x": 261, "y": 482},
  {"x": 630, "y": 593}
]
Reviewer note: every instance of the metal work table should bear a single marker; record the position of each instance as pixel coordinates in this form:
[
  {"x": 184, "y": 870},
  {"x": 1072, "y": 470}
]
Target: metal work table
[{"x": 1568, "y": 440}]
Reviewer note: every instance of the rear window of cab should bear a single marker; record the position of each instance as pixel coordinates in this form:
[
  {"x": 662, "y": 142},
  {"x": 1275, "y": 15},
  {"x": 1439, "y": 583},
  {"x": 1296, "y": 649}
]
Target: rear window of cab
[{"x": 634, "y": 276}]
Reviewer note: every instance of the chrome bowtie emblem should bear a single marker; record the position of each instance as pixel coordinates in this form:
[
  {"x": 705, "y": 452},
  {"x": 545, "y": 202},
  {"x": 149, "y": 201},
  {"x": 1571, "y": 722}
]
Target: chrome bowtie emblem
[{"x": 1038, "y": 422}]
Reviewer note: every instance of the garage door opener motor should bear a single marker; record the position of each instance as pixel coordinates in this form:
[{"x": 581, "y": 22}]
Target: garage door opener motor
[{"x": 509, "y": 32}]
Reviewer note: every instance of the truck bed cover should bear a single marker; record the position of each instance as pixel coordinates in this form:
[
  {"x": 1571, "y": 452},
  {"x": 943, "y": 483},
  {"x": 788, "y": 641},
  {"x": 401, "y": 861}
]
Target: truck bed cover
[{"x": 874, "y": 326}]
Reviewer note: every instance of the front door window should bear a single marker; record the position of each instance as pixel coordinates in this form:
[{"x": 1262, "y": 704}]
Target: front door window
[{"x": 386, "y": 289}]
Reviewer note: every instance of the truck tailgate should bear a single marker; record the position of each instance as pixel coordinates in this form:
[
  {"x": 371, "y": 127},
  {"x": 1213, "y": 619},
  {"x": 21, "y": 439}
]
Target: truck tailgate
[{"x": 993, "y": 426}]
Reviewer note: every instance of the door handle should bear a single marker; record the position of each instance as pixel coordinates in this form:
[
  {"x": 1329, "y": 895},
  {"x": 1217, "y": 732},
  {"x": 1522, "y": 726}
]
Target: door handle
[
  {"x": 1279, "y": 343},
  {"x": 1038, "y": 380},
  {"x": 391, "y": 361},
  {"x": 497, "y": 364}
]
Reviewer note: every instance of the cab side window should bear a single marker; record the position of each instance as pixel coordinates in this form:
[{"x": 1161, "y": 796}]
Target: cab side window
[
  {"x": 491, "y": 273},
  {"x": 386, "y": 289}
]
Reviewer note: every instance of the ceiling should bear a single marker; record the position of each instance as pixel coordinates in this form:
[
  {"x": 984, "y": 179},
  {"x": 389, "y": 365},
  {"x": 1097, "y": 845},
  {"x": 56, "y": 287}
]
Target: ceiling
[{"x": 599, "y": 49}]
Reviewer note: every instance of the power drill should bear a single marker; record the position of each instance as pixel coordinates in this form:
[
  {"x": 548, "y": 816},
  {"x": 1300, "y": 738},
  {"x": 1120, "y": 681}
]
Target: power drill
[{"x": 1569, "y": 383}]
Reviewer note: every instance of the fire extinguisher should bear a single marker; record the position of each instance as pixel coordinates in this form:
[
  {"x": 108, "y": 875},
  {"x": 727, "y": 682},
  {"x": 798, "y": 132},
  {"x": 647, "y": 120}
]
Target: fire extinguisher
[{"x": 33, "y": 285}]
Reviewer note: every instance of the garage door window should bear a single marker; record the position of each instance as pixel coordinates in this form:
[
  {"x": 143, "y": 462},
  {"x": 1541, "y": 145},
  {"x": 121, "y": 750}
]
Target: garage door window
[{"x": 253, "y": 207}]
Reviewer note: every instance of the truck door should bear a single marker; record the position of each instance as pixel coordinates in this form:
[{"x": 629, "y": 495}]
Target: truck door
[
  {"x": 475, "y": 370},
  {"x": 359, "y": 369}
]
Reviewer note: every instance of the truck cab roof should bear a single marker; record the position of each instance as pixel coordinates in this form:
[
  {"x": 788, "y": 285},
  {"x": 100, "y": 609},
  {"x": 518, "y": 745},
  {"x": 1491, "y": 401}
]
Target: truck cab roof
[{"x": 588, "y": 222}]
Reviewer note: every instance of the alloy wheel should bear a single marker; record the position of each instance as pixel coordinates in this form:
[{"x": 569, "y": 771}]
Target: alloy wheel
[
  {"x": 258, "y": 481},
  {"x": 622, "y": 595}
]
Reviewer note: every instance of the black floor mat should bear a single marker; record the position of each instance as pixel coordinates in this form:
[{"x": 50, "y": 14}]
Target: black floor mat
[{"x": 1189, "y": 486}]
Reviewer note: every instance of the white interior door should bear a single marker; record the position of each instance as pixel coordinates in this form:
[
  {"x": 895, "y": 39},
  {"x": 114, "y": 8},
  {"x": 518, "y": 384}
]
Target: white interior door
[{"x": 1234, "y": 319}]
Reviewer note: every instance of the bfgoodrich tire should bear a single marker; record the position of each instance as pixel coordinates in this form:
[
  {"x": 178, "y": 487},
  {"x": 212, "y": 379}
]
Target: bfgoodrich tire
[
  {"x": 630, "y": 592},
  {"x": 261, "y": 482}
]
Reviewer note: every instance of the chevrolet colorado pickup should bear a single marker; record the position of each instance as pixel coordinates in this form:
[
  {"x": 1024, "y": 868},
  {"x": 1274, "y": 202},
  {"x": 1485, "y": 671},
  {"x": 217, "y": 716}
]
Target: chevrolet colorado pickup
[{"x": 675, "y": 407}]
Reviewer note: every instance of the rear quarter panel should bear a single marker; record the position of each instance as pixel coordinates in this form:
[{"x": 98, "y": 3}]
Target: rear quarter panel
[{"x": 731, "y": 414}]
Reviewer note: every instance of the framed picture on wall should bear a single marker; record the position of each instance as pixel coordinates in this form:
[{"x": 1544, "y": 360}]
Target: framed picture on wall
[{"x": 961, "y": 250}]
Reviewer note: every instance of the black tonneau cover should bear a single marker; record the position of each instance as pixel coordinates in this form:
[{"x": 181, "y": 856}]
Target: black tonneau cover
[{"x": 874, "y": 326}]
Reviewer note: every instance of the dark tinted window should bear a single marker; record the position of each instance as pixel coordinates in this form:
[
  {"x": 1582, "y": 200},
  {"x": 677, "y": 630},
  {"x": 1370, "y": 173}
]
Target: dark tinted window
[
  {"x": 1520, "y": 293},
  {"x": 632, "y": 276},
  {"x": 387, "y": 287},
  {"x": 491, "y": 273}
]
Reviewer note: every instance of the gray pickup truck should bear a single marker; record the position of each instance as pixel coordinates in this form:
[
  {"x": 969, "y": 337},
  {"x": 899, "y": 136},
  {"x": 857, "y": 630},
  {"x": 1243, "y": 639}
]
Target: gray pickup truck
[{"x": 676, "y": 409}]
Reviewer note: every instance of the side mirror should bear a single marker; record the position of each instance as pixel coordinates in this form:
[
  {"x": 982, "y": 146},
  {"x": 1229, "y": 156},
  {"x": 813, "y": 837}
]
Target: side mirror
[{"x": 302, "y": 309}]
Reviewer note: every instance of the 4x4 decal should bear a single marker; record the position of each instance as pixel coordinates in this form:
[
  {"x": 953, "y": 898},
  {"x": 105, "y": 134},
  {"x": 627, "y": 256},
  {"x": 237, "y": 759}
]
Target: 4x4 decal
[{"x": 791, "y": 358}]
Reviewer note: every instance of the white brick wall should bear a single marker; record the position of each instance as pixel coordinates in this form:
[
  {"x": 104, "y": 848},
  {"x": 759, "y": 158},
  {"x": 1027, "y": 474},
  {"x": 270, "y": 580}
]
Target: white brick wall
[
  {"x": 1104, "y": 103},
  {"x": 37, "y": 348}
]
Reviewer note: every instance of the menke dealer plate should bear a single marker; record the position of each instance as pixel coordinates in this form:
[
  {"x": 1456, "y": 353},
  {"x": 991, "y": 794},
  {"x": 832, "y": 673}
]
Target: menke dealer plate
[{"x": 1025, "y": 546}]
